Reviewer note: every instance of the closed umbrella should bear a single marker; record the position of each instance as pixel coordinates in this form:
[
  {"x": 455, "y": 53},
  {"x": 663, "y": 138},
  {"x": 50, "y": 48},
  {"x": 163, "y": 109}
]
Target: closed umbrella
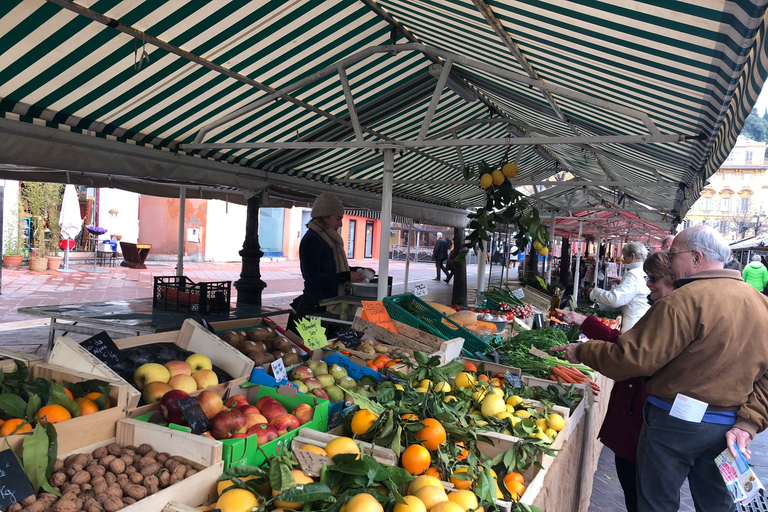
[{"x": 70, "y": 221}]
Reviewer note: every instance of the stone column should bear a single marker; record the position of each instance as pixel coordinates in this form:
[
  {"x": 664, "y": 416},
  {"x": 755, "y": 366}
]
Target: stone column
[{"x": 250, "y": 285}]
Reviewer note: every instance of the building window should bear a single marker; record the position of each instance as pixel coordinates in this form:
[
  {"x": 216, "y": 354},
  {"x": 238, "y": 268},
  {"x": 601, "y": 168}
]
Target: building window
[
  {"x": 749, "y": 157},
  {"x": 271, "y": 231},
  {"x": 686, "y": 224},
  {"x": 725, "y": 227},
  {"x": 707, "y": 204},
  {"x": 725, "y": 204},
  {"x": 744, "y": 204},
  {"x": 368, "y": 239},
  {"x": 730, "y": 158},
  {"x": 351, "y": 239}
]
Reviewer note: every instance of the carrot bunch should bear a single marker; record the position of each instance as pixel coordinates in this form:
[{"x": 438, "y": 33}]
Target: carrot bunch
[{"x": 566, "y": 375}]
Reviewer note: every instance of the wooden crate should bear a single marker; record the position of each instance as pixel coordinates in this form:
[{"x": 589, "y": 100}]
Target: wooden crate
[
  {"x": 192, "y": 336},
  {"x": 575, "y": 415},
  {"x": 199, "y": 489},
  {"x": 84, "y": 430},
  {"x": 316, "y": 438},
  {"x": 8, "y": 359},
  {"x": 492, "y": 367}
]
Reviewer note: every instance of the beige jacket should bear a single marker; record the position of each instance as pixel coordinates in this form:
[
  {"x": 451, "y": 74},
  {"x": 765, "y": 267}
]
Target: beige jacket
[{"x": 708, "y": 339}]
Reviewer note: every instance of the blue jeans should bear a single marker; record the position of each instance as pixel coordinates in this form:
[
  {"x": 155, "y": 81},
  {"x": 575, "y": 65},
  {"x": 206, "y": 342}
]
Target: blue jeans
[{"x": 670, "y": 450}]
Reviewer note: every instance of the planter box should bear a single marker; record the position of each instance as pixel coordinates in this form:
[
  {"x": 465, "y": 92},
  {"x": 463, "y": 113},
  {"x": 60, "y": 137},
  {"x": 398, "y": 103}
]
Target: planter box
[
  {"x": 8, "y": 358},
  {"x": 192, "y": 337},
  {"x": 84, "y": 430},
  {"x": 193, "y": 491}
]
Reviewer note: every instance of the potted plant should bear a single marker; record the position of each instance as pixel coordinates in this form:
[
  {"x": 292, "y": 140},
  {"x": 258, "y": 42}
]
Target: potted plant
[
  {"x": 42, "y": 201},
  {"x": 13, "y": 252},
  {"x": 54, "y": 209}
]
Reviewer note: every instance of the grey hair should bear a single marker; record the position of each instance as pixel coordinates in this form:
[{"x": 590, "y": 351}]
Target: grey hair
[
  {"x": 635, "y": 249},
  {"x": 706, "y": 240},
  {"x": 756, "y": 257}
]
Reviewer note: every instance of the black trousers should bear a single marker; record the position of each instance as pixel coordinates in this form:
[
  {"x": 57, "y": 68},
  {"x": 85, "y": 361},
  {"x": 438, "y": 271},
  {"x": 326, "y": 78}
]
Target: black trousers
[{"x": 627, "y": 472}]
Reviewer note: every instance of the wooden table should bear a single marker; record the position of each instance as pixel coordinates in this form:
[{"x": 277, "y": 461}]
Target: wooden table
[
  {"x": 134, "y": 254},
  {"x": 132, "y": 317}
]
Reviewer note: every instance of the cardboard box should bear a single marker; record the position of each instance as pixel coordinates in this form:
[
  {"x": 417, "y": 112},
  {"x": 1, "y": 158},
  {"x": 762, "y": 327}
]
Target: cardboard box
[
  {"x": 192, "y": 337},
  {"x": 83, "y": 430},
  {"x": 193, "y": 491}
]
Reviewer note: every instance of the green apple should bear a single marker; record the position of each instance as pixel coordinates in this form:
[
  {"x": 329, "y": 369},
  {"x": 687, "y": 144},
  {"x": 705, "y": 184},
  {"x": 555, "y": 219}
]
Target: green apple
[
  {"x": 151, "y": 372},
  {"x": 199, "y": 362}
]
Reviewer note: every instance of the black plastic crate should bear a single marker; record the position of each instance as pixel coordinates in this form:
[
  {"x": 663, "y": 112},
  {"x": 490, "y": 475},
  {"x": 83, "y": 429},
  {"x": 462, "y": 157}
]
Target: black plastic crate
[{"x": 174, "y": 293}]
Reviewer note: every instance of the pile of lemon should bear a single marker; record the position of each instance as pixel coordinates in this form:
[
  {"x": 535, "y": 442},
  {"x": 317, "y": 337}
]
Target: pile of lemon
[{"x": 427, "y": 494}]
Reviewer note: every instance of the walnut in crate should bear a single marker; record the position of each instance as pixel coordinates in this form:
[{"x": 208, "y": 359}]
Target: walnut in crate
[{"x": 117, "y": 466}]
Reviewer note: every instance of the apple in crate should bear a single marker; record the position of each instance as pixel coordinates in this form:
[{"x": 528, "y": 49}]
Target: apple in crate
[
  {"x": 272, "y": 410},
  {"x": 285, "y": 423},
  {"x": 320, "y": 393},
  {"x": 169, "y": 406},
  {"x": 150, "y": 372},
  {"x": 261, "y": 402},
  {"x": 303, "y": 413},
  {"x": 199, "y": 362},
  {"x": 247, "y": 409},
  {"x": 264, "y": 433},
  {"x": 178, "y": 368},
  {"x": 183, "y": 382},
  {"x": 205, "y": 379},
  {"x": 302, "y": 373},
  {"x": 211, "y": 403},
  {"x": 228, "y": 423},
  {"x": 254, "y": 419},
  {"x": 236, "y": 401},
  {"x": 154, "y": 391}
]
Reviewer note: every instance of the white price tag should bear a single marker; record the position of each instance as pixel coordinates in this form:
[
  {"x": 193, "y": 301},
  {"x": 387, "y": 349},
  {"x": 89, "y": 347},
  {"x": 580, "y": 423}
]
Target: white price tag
[
  {"x": 519, "y": 293},
  {"x": 420, "y": 290},
  {"x": 278, "y": 370}
]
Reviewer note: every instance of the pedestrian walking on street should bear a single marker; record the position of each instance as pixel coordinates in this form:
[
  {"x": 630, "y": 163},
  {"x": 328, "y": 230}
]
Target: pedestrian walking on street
[
  {"x": 440, "y": 254},
  {"x": 756, "y": 274}
]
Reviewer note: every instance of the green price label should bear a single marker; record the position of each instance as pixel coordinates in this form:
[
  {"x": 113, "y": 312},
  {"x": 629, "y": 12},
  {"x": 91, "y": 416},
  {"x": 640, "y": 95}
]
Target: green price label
[{"x": 312, "y": 333}]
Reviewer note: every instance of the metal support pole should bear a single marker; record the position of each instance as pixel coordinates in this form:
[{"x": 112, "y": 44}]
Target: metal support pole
[
  {"x": 578, "y": 263},
  {"x": 408, "y": 256},
  {"x": 551, "y": 246},
  {"x": 597, "y": 254},
  {"x": 386, "y": 221},
  {"x": 493, "y": 248},
  {"x": 481, "y": 269},
  {"x": 182, "y": 214}
]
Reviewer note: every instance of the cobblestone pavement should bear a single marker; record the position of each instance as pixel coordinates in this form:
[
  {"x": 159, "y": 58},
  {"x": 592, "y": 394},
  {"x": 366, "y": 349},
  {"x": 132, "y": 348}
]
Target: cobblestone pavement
[{"x": 21, "y": 288}]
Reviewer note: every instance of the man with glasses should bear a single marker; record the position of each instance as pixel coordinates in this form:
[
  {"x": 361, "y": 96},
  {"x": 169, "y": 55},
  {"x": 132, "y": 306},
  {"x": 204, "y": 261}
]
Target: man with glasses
[{"x": 703, "y": 348}]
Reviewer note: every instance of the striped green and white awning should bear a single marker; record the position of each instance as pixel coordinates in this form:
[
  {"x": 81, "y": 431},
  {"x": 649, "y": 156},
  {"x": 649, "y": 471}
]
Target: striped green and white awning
[{"x": 124, "y": 88}]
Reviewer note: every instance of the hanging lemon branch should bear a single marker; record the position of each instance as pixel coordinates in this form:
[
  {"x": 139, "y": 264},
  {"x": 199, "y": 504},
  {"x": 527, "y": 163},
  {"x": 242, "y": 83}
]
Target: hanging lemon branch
[{"x": 503, "y": 206}]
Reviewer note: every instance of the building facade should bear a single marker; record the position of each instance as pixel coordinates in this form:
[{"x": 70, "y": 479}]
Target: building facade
[{"x": 735, "y": 200}]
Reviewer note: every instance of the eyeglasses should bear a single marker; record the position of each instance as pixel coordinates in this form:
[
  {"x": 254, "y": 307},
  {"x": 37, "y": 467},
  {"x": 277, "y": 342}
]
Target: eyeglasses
[
  {"x": 653, "y": 279},
  {"x": 673, "y": 255}
]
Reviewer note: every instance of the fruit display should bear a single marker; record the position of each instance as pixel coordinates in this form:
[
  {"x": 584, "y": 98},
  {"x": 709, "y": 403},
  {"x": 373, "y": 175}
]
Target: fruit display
[
  {"x": 263, "y": 345},
  {"x": 26, "y": 402},
  {"x": 154, "y": 380},
  {"x": 329, "y": 382}
]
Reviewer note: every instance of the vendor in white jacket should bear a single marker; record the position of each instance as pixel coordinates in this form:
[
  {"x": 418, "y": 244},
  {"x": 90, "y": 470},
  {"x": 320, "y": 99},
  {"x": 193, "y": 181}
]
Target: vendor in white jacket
[{"x": 631, "y": 294}]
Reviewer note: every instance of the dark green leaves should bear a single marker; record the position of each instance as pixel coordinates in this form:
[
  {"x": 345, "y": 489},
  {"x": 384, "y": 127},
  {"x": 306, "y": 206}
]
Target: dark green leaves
[{"x": 13, "y": 405}]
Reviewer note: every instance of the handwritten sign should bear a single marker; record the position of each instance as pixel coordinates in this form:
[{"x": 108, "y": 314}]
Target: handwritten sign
[
  {"x": 312, "y": 333},
  {"x": 420, "y": 290},
  {"x": 278, "y": 370},
  {"x": 538, "y": 353},
  {"x": 104, "y": 348},
  {"x": 311, "y": 463},
  {"x": 378, "y": 315},
  {"x": 194, "y": 415},
  {"x": 519, "y": 293},
  {"x": 14, "y": 484}
]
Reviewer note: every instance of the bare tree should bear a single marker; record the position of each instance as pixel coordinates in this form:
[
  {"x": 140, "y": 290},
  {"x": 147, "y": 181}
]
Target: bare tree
[{"x": 745, "y": 221}]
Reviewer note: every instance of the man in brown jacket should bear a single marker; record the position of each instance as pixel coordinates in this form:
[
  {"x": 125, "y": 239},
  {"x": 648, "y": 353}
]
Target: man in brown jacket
[{"x": 703, "y": 349}]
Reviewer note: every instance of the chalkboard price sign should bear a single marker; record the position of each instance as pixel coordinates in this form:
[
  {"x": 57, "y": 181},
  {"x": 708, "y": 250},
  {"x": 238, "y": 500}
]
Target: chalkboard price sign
[
  {"x": 104, "y": 348},
  {"x": 194, "y": 415},
  {"x": 14, "y": 484}
]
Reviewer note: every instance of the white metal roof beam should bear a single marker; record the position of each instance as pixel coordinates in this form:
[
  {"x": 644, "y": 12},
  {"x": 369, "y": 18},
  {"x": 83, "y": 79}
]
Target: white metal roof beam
[
  {"x": 503, "y": 34},
  {"x": 525, "y": 183}
]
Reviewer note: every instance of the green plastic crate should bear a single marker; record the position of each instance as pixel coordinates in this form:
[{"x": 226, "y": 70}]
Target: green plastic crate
[{"x": 411, "y": 310}]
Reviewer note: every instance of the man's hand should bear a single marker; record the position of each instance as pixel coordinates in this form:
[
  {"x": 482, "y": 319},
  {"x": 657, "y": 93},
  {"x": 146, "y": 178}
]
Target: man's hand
[
  {"x": 570, "y": 352},
  {"x": 356, "y": 277},
  {"x": 571, "y": 317},
  {"x": 738, "y": 437}
]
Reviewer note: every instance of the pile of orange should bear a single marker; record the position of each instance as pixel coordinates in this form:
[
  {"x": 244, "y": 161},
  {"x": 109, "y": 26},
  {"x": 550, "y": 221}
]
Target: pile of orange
[
  {"x": 381, "y": 361},
  {"x": 53, "y": 413}
]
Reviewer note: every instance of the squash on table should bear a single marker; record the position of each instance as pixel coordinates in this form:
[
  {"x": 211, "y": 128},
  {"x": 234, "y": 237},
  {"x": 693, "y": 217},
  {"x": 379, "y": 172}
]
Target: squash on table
[
  {"x": 442, "y": 308},
  {"x": 465, "y": 318}
]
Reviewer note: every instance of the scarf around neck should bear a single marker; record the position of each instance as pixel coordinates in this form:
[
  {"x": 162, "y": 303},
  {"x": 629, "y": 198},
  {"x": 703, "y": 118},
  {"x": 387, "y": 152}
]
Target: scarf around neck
[{"x": 335, "y": 242}]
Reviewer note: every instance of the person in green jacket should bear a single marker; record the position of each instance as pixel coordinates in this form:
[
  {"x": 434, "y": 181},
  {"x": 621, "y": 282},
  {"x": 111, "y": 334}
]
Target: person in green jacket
[{"x": 756, "y": 274}]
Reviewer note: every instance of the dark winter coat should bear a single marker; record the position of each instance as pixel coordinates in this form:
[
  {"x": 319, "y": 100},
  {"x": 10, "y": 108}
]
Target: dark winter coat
[
  {"x": 318, "y": 268},
  {"x": 441, "y": 250}
]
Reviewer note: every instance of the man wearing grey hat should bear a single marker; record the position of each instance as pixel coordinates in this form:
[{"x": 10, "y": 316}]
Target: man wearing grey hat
[{"x": 440, "y": 254}]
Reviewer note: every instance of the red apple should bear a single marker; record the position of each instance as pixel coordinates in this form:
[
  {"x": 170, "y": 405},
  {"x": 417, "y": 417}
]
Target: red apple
[
  {"x": 263, "y": 401},
  {"x": 211, "y": 403},
  {"x": 264, "y": 433},
  {"x": 248, "y": 409},
  {"x": 228, "y": 423},
  {"x": 169, "y": 406},
  {"x": 273, "y": 410},
  {"x": 320, "y": 393},
  {"x": 235, "y": 401},
  {"x": 304, "y": 413},
  {"x": 239, "y": 435},
  {"x": 285, "y": 423},
  {"x": 254, "y": 419},
  {"x": 207, "y": 434}
]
